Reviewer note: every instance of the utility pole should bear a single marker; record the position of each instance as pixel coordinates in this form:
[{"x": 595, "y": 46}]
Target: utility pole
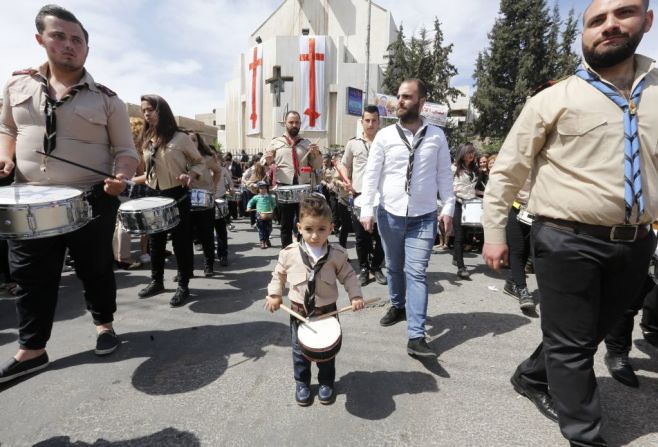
[{"x": 365, "y": 99}]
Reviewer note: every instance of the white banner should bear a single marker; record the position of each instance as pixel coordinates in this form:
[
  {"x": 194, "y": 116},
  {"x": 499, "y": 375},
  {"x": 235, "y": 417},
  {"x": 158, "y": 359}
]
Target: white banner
[
  {"x": 254, "y": 87},
  {"x": 436, "y": 114},
  {"x": 312, "y": 55}
]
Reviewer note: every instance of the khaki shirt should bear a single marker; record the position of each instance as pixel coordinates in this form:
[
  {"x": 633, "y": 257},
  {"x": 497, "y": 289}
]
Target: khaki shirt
[
  {"x": 224, "y": 184},
  {"x": 572, "y": 137},
  {"x": 355, "y": 159},
  {"x": 179, "y": 156},
  {"x": 283, "y": 159},
  {"x": 291, "y": 268},
  {"x": 206, "y": 182},
  {"x": 92, "y": 129}
]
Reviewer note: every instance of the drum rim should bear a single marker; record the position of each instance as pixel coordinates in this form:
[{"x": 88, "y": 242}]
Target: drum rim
[{"x": 79, "y": 194}]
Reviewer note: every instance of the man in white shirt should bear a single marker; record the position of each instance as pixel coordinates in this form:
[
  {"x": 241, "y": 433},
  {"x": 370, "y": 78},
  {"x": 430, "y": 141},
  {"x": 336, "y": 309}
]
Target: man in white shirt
[{"x": 409, "y": 163}]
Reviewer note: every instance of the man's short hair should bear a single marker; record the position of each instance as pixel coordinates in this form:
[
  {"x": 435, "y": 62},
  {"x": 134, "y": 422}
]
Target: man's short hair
[
  {"x": 645, "y": 3},
  {"x": 60, "y": 13},
  {"x": 291, "y": 112},
  {"x": 314, "y": 206},
  {"x": 370, "y": 109},
  {"x": 422, "y": 87}
]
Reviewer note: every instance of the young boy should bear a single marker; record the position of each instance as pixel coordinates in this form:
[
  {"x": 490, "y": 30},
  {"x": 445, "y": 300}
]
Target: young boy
[
  {"x": 264, "y": 205},
  {"x": 312, "y": 267}
]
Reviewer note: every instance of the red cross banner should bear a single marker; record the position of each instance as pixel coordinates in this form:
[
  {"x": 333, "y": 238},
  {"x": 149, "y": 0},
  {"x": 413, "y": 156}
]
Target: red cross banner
[
  {"x": 254, "y": 87},
  {"x": 312, "y": 54}
]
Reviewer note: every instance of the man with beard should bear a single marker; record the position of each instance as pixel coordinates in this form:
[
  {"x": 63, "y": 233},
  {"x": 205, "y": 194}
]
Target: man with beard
[
  {"x": 58, "y": 108},
  {"x": 408, "y": 164},
  {"x": 295, "y": 159},
  {"x": 591, "y": 141}
]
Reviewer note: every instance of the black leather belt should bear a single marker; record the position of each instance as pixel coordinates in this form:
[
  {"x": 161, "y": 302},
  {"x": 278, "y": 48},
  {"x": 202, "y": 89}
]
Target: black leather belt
[
  {"x": 319, "y": 310},
  {"x": 615, "y": 233}
]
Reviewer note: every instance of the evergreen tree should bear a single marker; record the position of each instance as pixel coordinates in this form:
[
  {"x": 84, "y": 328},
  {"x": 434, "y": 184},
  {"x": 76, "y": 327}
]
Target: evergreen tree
[
  {"x": 439, "y": 89},
  {"x": 568, "y": 59},
  {"x": 398, "y": 63}
]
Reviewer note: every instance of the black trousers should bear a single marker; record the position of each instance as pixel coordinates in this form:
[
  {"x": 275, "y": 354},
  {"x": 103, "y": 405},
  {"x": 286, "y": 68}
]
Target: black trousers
[
  {"x": 620, "y": 338},
  {"x": 460, "y": 236},
  {"x": 518, "y": 241},
  {"x": 585, "y": 283},
  {"x": 287, "y": 214},
  {"x": 181, "y": 237},
  {"x": 202, "y": 223},
  {"x": 222, "y": 237},
  {"x": 345, "y": 222},
  {"x": 233, "y": 209},
  {"x": 370, "y": 258},
  {"x": 36, "y": 265}
]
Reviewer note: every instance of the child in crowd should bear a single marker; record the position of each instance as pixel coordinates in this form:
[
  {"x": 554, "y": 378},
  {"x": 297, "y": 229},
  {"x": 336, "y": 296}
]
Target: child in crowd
[
  {"x": 301, "y": 264},
  {"x": 263, "y": 203}
]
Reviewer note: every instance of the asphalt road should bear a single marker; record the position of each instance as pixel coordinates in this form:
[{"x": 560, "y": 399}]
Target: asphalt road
[{"x": 218, "y": 371}]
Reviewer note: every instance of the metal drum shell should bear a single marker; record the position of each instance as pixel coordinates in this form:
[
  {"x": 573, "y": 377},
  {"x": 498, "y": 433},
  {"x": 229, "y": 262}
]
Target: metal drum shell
[
  {"x": 221, "y": 209},
  {"x": 149, "y": 220},
  {"x": 292, "y": 194},
  {"x": 472, "y": 213},
  {"x": 201, "y": 199}
]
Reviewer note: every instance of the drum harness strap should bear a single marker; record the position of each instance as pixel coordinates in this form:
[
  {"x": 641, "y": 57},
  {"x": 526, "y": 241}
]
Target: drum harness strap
[{"x": 309, "y": 294}]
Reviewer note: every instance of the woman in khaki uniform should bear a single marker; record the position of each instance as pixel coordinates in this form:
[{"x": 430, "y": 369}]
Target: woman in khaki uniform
[{"x": 172, "y": 162}]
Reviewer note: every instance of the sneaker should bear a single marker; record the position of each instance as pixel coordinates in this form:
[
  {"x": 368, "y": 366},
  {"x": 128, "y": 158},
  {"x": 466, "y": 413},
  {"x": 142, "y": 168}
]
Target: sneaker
[
  {"x": 363, "y": 277},
  {"x": 179, "y": 298},
  {"x": 380, "y": 277},
  {"x": 208, "y": 271},
  {"x": 326, "y": 395},
  {"x": 418, "y": 347},
  {"x": 268, "y": 243},
  {"x": 393, "y": 315},
  {"x": 231, "y": 227},
  {"x": 106, "y": 342},
  {"x": 13, "y": 369},
  {"x": 525, "y": 299},
  {"x": 303, "y": 395},
  {"x": 223, "y": 261},
  {"x": 153, "y": 288},
  {"x": 463, "y": 273},
  {"x": 510, "y": 289}
]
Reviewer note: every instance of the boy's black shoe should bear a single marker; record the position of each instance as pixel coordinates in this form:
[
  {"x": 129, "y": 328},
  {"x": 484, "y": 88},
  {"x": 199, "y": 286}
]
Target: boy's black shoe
[
  {"x": 363, "y": 277},
  {"x": 179, "y": 298},
  {"x": 153, "y": 288},
  {"x": 303, "y": 395},
  {"x": 326, "y": 395},
  {"x": 14, "y": 369},
  {"x": 268, "y": 243},
  {"x": 526, "y": 302},
  {"x": 392, "y": 316},
  {"x": 463, "y": 273},
  {"x": 106, "y": 342},
  {"x": 208, "y": 271},
  {"x": 510, "y": 289},
  {"x": 380, "y": 277},
  {"x": 418, "y": 347}
]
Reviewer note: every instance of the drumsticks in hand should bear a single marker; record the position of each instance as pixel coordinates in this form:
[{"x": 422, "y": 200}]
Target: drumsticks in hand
[{"x": 126, "y": 181}]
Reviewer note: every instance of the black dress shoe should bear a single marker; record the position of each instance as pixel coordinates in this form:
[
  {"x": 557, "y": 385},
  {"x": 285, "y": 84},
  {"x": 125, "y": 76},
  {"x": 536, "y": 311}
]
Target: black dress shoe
[
  {"x": 14, "y": 369},
  {"x": 418, "y": 347},
  {"x": 392, "y": 316},
  {"x": 463, "y": 273},
  {"x": 363, "y": 277},
  {"x": 621, "y": 369},
  {"x": 542, "y": 400},
  {"x": 380, "y": 277},
  {"x": 179, "y": 298},
  {"x": 651, "y": 337},
  {"x": 152, "y": 289}
]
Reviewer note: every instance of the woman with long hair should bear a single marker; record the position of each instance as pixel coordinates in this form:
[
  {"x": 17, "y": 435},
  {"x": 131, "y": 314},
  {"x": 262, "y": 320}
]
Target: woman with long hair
[
  {"x": 464, "y": 183},
  {"x": 172, "y": 161},
  {"x": 203, "y": 220}
]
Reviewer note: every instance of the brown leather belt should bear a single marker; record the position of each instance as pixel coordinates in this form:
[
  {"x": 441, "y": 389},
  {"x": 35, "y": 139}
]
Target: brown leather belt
[
  {"x": 616, "y": 233},
  {"x": 299, "y": 308}
]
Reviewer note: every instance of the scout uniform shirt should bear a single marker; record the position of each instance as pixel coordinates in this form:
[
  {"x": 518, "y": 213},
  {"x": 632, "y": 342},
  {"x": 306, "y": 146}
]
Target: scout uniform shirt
[
  {"x": 178, "y": 156},
  {"x": 92, "y": 129},
  {"x": 355, "y": 159},
  {"x": 291, "y": 268},
  {"x": 572, "y": 135},
  {"x": 285, "y": 170}
]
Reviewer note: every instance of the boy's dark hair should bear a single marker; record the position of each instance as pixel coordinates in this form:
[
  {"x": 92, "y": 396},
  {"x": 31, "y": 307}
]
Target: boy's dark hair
[
  {"x": 370, "y": 109},
  {"x": 314, "y": 206},
  {"x": 60, "y": 13}
]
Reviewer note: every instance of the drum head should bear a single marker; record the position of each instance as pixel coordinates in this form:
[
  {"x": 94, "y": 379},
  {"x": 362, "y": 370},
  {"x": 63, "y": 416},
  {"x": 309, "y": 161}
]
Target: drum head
[
  {"x": 34, "y": 194},
  {"x": 145, "y": 203},
  {"x": 220, "y": 202},
  {"x": 319, "y": 334}
]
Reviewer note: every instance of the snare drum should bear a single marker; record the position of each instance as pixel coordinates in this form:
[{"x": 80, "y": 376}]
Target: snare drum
[
  {"x": 235, "y": 196},
  {"x": 472, "y": 213},
  {"x": 149, "y": 215},
  {"x": 33, "y": 212},
  {"x": 292, "y": 194},
  {"x": 524, "y": 216},
  {"x": 221, "y": 209},
  {"x": 201, "y": 199},
  {"x": 320, "y": 340},
  {"x": 265, "y": 216}
]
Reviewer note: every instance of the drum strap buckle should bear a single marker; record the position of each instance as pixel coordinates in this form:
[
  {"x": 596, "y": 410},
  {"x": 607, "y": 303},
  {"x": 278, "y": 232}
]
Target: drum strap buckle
[{"x": 623, "y": 233}]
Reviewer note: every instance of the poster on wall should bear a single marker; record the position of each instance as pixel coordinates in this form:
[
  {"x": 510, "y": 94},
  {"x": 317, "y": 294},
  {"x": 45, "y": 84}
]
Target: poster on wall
[
  {"x": 254, "y": 76},
  {"x": 354, "y": 101},
  {"x": 387, "y": 105},
  {"x": 436, "y": 114},
  {"x": 312, "y": 56}
]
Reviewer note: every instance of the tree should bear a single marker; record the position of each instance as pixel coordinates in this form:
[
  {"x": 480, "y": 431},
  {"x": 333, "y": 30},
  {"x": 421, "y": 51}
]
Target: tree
[
  {"x": 568, "y": 60},
  {"x": 397, "y": 64}
]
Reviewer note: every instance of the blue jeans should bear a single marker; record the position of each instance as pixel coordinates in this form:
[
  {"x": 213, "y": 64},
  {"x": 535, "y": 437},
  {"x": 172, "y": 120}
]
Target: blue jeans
[
  {"x": 407, "y": 245},
  {"x": 264, "y": 229}
]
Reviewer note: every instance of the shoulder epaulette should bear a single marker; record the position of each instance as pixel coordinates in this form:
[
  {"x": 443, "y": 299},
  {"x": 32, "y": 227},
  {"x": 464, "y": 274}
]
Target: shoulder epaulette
[
  {"x": 27, "y": 71},
  {"x": 105, "y": 90}
]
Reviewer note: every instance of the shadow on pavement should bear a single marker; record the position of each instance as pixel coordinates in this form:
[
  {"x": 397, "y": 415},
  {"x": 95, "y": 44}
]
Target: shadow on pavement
[
  {"x": 369, "y": 395},
  {"x": 184, "y": 360},
  {"x": 249, "y": 288},
  {"x": 168, "y": 436}
]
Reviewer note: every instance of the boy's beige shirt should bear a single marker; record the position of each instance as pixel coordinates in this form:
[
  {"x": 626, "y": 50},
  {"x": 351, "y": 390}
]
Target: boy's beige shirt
[{"x": 290, "y": 268}]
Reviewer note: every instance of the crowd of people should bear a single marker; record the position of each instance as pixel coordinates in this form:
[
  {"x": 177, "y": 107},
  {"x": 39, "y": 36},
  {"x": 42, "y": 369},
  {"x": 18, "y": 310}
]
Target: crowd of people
[{"x": 561, "y": 195}]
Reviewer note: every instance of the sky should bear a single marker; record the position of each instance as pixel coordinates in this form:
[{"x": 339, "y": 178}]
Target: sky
[{"x": 186, "y": 50}]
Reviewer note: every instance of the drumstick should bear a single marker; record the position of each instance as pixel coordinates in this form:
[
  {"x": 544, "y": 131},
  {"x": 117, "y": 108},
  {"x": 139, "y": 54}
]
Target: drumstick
[
  {"x": 126, "y": 181},
  {"x": 294, "y": 314},
  {"x": 345, "y": 309}
]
